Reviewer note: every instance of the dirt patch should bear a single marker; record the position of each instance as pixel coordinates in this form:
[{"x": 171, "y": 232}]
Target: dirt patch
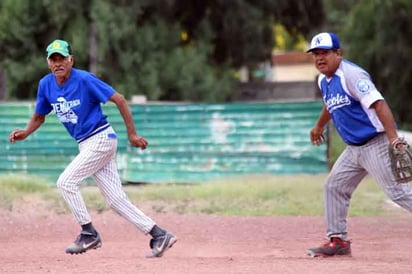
[{"x": 33, "y": 240}]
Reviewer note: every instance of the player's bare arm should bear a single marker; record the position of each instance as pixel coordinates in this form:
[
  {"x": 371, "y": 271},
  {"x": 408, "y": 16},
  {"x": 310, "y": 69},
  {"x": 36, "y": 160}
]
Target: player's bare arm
[
  {"x": 123, "y": 106},
  {"x": 35, "y": 122},
  {"x": 386, "y": 117},
  {"x": 317, "y": 136}
]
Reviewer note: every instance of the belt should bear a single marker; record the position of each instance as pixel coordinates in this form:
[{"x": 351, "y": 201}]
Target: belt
[
  {"x": 364, "y": 143},
  {"x": 93, "y": 133}
]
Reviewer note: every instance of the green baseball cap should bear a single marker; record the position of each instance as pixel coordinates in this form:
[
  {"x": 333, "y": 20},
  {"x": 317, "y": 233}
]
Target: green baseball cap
[{"x": 58, "y": 46}]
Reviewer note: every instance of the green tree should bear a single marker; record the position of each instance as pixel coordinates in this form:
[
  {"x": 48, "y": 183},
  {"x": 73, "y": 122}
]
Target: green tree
[
  {"x": 26, "y": 27},
  {"x": 137, "y": 46},
  {"x": 242, "y": 30},
  {"x": 336, "y": 12},
  {"x": 378, "y": 36}
]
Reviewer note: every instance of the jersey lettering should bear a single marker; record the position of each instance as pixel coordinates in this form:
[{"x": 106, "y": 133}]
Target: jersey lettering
[
  {"x": 63, "y": 110},
  {"x": 336, "y": 102}
]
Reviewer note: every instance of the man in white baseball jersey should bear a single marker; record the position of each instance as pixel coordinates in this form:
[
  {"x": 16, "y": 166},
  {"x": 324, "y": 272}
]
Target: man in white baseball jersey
[
  {"x": 75, "y": 96},
  {"x": 365, "y": 123}
]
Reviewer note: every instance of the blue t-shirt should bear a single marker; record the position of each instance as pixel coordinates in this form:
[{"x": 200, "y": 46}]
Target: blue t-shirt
[
  {"x": 76, "y": 103},
  {"x": 348, "y": 96}
]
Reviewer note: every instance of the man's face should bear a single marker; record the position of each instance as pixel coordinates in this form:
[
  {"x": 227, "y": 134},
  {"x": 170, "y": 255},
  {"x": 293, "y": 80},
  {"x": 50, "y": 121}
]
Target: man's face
[
  {"x": 59, "y": 65},
  {"x": 327, "y": 61}
]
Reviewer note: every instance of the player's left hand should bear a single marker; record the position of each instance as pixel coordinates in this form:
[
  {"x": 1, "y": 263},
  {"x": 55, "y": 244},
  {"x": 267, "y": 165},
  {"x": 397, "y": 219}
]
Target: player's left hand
[
  {"x": 316, "y": 136},
  {"x": 138, "y": 141}
]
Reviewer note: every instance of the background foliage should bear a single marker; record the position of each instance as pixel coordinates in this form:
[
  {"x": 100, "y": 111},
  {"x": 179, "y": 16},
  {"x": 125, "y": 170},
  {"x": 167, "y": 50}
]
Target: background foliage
[
  {"x": 139, "y": 46},
  {"x": 190, "y": 49},
  {"x": 377, "y": 35},
  {"x": 383, "y": 44}
]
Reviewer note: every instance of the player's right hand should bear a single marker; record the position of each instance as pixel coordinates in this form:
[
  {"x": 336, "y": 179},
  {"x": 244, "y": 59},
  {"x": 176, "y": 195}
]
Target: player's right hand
[{"x": 17, "y": 135}]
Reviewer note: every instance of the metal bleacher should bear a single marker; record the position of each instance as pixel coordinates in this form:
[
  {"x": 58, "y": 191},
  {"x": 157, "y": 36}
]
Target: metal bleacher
[{"x": 187, "y": 142}]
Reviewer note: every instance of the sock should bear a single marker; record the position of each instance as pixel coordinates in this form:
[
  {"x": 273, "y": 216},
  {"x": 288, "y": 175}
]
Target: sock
[
  {"x": 157, "y": 231},
  {"x": 89, "y": 228}
]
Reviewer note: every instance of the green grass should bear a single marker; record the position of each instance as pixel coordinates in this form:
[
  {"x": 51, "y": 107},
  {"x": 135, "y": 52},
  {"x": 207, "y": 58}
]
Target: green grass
[
  {"x": 260, "y": 195},
  {"x": 13, "y": 187}
]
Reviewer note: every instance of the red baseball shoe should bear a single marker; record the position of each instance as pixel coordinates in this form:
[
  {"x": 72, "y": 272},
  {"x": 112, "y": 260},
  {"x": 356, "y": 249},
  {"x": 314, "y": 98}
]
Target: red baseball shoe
[{"x": 336, "y": 246}]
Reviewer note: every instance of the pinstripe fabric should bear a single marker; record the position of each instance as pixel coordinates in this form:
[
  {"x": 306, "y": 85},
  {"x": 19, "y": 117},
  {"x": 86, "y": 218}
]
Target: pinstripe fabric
[
  {"x": 97, "y": 158},
  {"x": 352, "y": 166}
]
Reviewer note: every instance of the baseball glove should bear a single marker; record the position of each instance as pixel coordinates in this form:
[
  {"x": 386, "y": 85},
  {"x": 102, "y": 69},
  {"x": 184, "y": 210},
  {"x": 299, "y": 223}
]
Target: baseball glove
[{"x": 401, "y": 160}]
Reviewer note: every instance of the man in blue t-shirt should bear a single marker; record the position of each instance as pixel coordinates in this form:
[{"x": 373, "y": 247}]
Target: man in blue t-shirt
[
  {"x": 75, "y": 96},
  {"x": 365, "y": 123}
]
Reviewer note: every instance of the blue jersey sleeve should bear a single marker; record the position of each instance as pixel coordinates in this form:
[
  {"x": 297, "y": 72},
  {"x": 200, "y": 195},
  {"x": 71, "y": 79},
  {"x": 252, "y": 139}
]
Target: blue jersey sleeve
[{"x": 101, "y": 90}]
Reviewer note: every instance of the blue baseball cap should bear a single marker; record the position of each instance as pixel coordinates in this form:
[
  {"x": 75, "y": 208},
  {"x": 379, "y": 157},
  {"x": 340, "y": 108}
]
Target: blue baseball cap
[{"x": 324, "y": 40}]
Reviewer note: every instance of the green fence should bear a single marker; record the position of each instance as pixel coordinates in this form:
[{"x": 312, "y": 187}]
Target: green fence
[{"x": 187, "y": 142}]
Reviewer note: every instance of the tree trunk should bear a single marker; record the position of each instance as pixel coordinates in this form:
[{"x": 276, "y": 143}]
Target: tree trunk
[
  {"x": 92, "y": 47},
  {"x": 3, "y": 89}
]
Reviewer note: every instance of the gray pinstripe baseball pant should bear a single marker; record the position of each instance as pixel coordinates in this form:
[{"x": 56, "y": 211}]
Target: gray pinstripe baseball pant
[
  {"x": 352, "y": 166},
  {"x": 97, "y": 158}
]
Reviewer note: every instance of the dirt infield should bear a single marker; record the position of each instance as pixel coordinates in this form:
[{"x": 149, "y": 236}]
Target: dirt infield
[{"x": 33, "y": 241}]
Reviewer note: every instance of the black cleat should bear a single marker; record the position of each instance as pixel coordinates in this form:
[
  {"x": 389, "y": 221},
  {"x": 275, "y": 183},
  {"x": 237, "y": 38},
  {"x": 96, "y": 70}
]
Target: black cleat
[{"x": 85, "y": 241}]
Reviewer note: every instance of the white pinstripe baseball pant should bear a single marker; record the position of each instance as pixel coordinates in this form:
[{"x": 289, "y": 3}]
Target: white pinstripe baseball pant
[
  {"x": 352, "y": 166},
  {"x": 97, "y": 158}
]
